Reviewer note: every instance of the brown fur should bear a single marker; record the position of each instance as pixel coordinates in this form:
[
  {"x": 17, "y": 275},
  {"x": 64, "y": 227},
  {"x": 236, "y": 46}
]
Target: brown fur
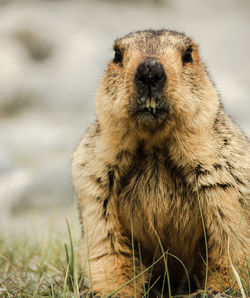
[{"x": 150, "y": 177}]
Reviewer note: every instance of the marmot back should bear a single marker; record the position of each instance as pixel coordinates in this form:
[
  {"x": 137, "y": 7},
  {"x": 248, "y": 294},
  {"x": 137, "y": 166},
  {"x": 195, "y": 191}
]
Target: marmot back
[{"x": 162, "y": 167}]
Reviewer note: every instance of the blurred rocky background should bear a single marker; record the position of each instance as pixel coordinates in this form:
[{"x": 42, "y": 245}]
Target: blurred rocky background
[{"x": 52, "y": 54}]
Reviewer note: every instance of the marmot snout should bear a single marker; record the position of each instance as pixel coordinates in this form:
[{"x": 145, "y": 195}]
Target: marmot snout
[
  {"x": 162, "y": 159},
  {"x": 150, "y": 79}
]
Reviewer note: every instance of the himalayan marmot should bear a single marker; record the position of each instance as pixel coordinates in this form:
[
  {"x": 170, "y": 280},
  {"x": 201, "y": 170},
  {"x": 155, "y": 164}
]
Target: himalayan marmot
[{"x": 163, "y": 175}]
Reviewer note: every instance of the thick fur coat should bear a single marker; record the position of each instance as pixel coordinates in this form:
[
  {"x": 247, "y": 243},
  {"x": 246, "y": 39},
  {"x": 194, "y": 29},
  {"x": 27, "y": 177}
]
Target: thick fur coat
[{"x": 161, "y": 156}]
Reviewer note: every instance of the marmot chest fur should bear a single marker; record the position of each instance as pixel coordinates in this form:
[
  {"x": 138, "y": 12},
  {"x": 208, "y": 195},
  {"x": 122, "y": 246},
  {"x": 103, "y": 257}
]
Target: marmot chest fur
[{"x": 163, "y": 174}]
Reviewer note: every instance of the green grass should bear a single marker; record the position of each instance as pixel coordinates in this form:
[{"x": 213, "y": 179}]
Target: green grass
[{"x": 38, "y": 258}]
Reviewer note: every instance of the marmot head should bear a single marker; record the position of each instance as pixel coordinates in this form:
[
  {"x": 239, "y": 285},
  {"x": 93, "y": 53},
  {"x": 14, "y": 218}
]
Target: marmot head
[{"x": 155, "y": 80}]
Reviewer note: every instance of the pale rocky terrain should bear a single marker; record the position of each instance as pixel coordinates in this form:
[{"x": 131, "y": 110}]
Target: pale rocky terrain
[{"x": 52, "y": 54}]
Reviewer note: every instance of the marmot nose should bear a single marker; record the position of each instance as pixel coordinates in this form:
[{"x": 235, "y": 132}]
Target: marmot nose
[{"x": 150, "y": 73}]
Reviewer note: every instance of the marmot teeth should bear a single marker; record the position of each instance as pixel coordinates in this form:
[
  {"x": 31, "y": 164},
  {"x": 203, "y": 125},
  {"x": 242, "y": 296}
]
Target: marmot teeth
[{"x": 151, "y": 104}]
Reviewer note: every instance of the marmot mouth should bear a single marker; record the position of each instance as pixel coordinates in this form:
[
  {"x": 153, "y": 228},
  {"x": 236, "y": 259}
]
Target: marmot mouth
[
  {"x": 150, "y": 109},
  {"x": 151, "y": 105}
]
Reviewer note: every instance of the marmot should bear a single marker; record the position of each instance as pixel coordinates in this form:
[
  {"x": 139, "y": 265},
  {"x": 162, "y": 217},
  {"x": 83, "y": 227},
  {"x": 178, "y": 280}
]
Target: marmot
[{"x": 163, "y": 175}]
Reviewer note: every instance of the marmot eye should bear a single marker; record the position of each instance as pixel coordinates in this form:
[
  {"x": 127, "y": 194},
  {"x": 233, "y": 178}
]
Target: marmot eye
[
  {"x": 187, "y": 56},
  {"x": 118, "y": 56}
]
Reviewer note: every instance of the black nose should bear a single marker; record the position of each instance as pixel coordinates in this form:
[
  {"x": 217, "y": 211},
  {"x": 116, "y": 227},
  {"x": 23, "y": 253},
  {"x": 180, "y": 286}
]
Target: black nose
[{"x": 150, "y": 74}]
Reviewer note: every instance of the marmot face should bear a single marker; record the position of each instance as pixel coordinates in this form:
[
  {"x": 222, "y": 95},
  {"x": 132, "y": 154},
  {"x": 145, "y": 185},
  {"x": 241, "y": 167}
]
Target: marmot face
[{"x": 156, "y": 79}]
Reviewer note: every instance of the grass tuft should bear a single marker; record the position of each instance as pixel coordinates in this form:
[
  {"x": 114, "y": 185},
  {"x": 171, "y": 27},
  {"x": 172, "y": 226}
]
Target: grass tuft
[{"x": 36, "y": 264}]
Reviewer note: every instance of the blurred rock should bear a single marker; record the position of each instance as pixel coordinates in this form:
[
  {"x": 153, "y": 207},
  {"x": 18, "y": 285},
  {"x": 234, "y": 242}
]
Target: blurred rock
[
  {"x": 16, "y": 102},
  {"x": 12, "y": 185},
  {"x": 38, "y": 47},
  {"x": 12, "y": 66},
  {"x": 47, "y": 188}
]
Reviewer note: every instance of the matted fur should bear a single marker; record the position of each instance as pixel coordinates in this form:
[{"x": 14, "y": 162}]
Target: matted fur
[{"x": 150, "y": 177}]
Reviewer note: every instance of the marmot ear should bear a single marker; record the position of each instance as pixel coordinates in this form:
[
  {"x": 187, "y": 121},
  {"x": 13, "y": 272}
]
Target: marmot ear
[
  {"x": 187, "y": 55},
  {"x": 118, "y": 55}
]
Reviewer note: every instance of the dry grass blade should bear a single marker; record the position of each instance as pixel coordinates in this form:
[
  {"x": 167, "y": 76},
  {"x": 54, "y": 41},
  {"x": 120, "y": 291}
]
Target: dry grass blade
[{"x": 236, "y": 274}]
